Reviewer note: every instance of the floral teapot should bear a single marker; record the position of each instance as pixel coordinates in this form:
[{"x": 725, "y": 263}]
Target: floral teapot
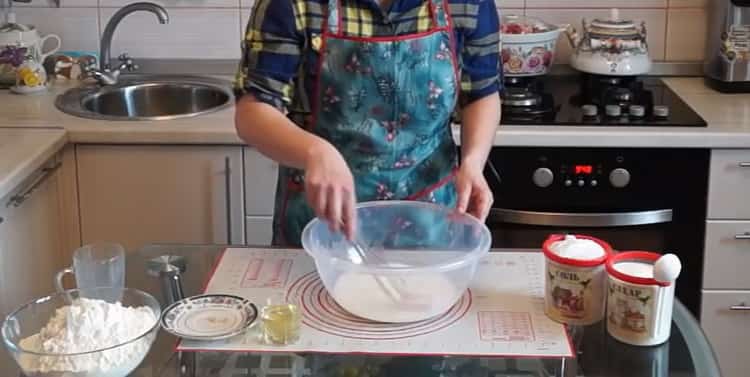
[
  {"x": 21, "y": 44},
  {"x": 611, "y": 47}
]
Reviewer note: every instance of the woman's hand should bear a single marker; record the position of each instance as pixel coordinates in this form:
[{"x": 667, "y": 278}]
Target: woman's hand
[
  {"x": 329, "y": 188},
  {"x": 474, "y": 195}
]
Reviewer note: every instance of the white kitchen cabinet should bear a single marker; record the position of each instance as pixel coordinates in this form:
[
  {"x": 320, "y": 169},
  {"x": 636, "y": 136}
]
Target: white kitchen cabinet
[
  {"x": 728, "y": 184},
  {"x": 725, "y": 318},
  {"x": 725, "y": 310},
  {"x": 259, "y": 230},
  {"x": 135, "y": 194},
  {"x": 727, "y": 255},
  {"x": 261, "y": 174},
  {"x": 30, "y": 252}
]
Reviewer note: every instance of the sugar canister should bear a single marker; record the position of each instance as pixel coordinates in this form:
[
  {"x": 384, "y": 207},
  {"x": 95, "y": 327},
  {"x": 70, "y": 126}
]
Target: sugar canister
[
  {"x": 640, "y": 295},
  {"x": 575, "y": 278}
]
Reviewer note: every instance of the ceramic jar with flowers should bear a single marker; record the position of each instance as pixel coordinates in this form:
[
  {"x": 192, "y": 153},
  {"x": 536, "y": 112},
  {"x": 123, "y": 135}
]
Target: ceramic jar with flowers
[
  {"x": 528, "y": 45},
  {"x": 30, "y": 78}
]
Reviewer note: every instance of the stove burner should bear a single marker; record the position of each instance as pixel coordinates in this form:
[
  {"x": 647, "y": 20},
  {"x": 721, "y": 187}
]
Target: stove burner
[
  {"x": 621, "y": 94},
  {"x": 524, "y": 98},
  {"x": 606, "y": 91},
  {"x": 516, "y": 80},
  {"x": 521, "y": 97},
  {"x": 610, "y": 80}
]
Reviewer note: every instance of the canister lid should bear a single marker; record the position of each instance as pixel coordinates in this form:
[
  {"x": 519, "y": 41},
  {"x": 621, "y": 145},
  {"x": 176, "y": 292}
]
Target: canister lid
[
  {"x": 598, "y": 256},
  {"x": 635, "y": 267}
]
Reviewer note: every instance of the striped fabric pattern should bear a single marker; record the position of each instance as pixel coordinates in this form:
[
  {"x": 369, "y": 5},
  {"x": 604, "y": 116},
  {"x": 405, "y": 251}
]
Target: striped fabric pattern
[{"x": 279, "y": 57}]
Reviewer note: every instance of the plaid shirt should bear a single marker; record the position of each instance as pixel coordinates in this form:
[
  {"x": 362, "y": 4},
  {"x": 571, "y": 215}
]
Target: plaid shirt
[{"x": 278, "y": 64}]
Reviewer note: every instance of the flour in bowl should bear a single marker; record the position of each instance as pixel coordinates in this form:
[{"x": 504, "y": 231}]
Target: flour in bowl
[
  {"x": 423, "y": 296},
  {"x": 89, "y": 325}
]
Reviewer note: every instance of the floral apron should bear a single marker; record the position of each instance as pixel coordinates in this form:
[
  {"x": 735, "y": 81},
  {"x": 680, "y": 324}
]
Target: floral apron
[{"x": 385, "y": 103}]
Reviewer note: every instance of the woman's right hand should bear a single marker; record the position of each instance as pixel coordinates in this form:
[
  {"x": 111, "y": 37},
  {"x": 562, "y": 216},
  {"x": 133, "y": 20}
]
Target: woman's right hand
[{"x": 329, "y": 188}]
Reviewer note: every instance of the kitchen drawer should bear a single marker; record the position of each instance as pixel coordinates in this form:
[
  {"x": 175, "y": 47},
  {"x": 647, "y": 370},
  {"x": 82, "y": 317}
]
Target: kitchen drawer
[
  {"x": 727, "y": 330},
  {"x": 728, "y": 184},
  {"x": 727, "y": 255},
  {"x": 260, "y": 183},
  {"x": 259, "y": 230}
]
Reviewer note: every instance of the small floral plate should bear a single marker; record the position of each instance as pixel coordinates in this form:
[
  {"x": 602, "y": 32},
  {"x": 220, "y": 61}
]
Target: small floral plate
[{"x": 209, "y": 317}]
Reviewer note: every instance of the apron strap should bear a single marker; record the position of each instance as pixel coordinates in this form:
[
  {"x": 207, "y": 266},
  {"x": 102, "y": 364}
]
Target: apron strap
[{"x": 438, "y": 13}]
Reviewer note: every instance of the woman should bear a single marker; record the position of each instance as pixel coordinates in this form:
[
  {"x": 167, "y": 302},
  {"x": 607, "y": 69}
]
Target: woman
[{"x": 369, "y": 87}]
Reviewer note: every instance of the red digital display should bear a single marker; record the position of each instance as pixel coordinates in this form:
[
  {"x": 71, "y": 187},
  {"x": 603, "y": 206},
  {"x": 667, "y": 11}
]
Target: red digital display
[{"x": 584, "y": 169}]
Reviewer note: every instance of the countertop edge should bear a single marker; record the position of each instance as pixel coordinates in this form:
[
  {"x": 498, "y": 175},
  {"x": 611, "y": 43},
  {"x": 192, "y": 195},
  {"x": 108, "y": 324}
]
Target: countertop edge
[
  {"x": 505, "y": 136},
  {"x": 34, "y": 161}
]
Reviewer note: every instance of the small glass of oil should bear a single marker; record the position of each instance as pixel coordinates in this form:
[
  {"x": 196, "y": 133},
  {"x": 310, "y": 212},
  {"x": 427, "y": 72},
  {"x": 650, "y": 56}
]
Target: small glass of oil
[{"x": 281, "y": 321}]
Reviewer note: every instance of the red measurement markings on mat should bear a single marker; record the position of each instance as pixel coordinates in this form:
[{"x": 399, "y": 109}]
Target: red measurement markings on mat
[
  {"x": 505, "y": 326},
  {"x": 265, "y": 273}
]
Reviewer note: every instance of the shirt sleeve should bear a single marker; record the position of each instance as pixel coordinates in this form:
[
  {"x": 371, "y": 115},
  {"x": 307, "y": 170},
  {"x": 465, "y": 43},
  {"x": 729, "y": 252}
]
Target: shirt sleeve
[
  {"x": 271, "y": 52},
  {"x": 481, "y": 74}
]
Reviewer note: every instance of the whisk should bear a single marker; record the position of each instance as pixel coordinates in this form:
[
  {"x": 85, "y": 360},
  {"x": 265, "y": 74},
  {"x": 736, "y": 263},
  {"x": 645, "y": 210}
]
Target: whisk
[{"x": 385, "y": 283}]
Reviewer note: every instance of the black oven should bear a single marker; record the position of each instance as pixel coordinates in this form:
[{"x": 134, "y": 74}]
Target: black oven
[{"x": 636, "y": 199}]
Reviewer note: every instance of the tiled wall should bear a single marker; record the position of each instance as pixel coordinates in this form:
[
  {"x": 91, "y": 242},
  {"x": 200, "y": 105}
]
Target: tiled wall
[{"x": 211, "y": 29}]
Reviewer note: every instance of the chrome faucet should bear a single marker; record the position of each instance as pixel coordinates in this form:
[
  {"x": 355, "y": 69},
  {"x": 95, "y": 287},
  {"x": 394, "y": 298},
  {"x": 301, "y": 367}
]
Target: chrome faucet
[{"x": 105, "y": 74}]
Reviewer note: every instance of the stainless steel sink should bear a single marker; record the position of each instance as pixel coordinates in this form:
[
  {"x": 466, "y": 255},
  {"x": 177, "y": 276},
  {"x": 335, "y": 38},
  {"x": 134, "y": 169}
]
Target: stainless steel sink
[{"x": 147, "y": 98}]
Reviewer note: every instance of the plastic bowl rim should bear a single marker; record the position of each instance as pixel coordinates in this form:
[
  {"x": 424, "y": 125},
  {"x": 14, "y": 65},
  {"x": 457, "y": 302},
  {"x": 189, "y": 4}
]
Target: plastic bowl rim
[
  {"x": 17, "y": 348},
  {"x": 448, "y": 265}
]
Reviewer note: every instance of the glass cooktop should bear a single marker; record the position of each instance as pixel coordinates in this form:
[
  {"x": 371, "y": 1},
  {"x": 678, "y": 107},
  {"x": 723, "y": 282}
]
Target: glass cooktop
[{"x": 590, "y": 100}]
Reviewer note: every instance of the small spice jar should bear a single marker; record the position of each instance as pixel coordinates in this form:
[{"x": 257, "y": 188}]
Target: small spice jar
[
  {"x": 575, "y": 278},
  {"x": 640, "y": 296}
]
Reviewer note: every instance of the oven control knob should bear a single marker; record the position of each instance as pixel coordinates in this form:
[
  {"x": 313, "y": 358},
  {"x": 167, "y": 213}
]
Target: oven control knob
[
  {"x": 613, "y": 111},
  {"x": 661, "y": 111},
  {"x": 637, "y": 111},
  {"x": 543, "y": 177},
  {"x": 590, "y": 110},
  {"x": 619, "y": 177}
]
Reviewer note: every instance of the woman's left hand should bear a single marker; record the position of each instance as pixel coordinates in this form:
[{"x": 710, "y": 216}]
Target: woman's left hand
[{"x": 474, "y": 194}]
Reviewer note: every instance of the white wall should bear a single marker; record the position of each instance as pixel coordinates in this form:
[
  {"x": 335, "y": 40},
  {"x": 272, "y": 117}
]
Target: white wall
[{"x": 212, "y": 29}]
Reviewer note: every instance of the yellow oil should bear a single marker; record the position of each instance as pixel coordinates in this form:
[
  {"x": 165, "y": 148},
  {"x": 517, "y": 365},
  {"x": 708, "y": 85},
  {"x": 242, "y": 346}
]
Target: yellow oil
[{"x": 281, "y": 323}]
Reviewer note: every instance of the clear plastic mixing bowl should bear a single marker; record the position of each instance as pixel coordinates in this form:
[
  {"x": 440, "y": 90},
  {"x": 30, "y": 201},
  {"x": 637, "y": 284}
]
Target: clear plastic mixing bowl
[
  {"x": 122, "y": 359},
  {"x": 419, "y": 259}
]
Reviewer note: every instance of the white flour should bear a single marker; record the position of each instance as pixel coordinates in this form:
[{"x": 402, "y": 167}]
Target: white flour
[
  {"x": 89, "y": 325},
  {"x": 637, "y": 269},
  {"x": 424, "y": 296},
  {"x": 577, "y": 248}
]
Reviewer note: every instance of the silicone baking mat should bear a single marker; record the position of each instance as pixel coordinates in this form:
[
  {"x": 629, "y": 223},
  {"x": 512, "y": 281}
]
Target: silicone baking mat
[{"x": 501, "y": 314}]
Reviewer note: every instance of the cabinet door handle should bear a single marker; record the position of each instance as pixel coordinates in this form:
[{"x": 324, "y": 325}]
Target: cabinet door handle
[
  {"x": 744, "y": 164},
  {"x": 740, "y": 307},
  {"x": 228, "y": 196},
  {"x": 45, "y": 173},
  {"x": 742, "y": 236}
]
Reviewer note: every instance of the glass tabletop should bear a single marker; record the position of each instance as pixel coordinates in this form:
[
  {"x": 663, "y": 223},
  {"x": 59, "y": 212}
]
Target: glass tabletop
[{"x": 686, "y": 354}]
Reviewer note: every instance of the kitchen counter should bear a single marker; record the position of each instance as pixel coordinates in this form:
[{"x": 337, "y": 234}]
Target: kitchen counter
[
  {"x": 40, "y": 111},
  {"x": 728, "y": 118},
  {"x": 24, "y": 151}
]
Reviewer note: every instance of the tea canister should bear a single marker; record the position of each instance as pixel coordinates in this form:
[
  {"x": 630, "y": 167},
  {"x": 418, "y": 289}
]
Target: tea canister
[
  {"x": 575, "y": 278},
  {"x": 640, "y": 295}
]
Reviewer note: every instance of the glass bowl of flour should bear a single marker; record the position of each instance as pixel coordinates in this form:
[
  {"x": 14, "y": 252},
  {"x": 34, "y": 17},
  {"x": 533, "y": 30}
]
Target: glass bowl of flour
[
  {"x": 419, "y": 259},
  {"x": 76, "y": 333}
]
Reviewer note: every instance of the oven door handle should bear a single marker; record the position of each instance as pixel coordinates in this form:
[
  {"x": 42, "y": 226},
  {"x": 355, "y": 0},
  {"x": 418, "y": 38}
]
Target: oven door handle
[{"x": 578, "y": 219}]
